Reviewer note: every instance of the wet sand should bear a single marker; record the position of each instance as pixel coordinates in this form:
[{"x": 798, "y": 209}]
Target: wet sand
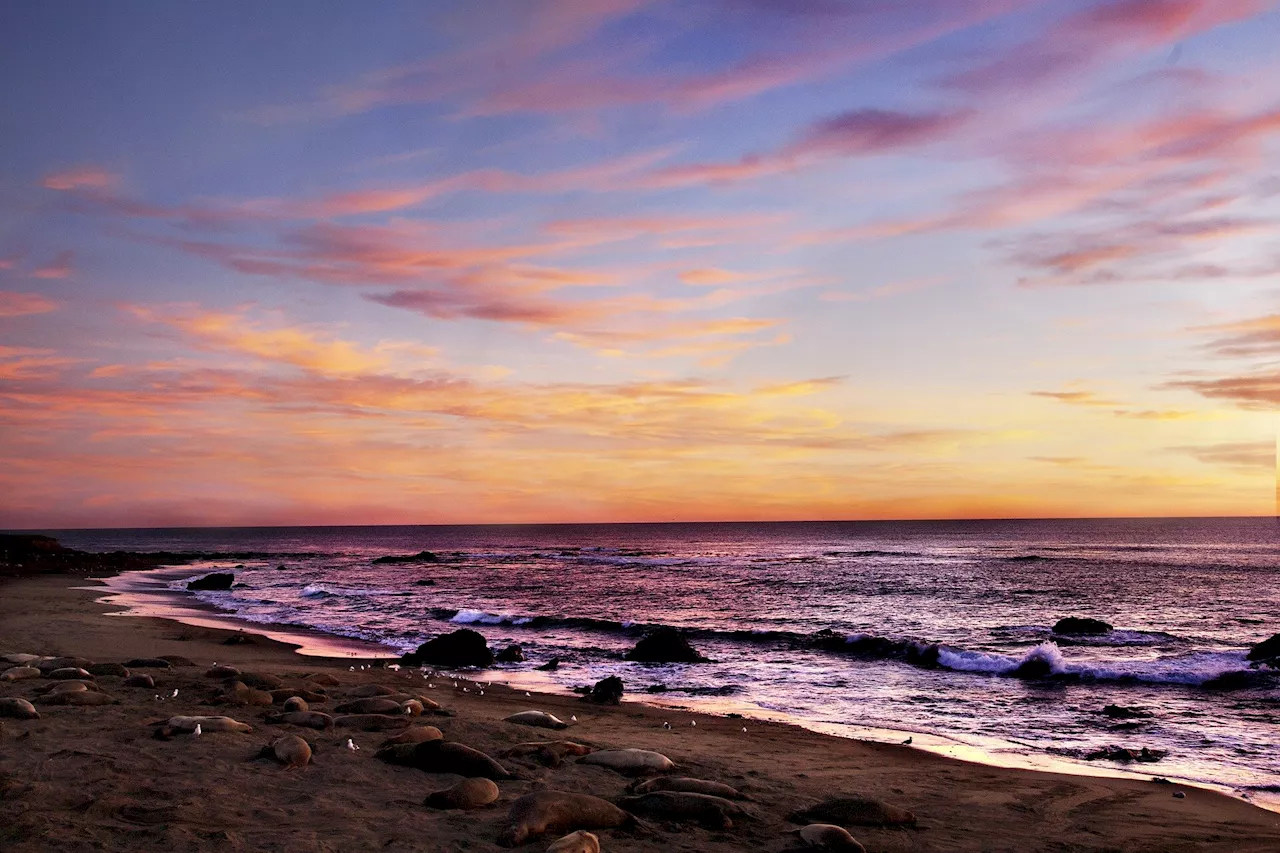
[{"x": 94, "y": 778}]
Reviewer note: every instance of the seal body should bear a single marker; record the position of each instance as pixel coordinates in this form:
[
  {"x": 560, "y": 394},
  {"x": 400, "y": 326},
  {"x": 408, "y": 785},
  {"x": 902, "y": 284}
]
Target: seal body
[
  {"x": 540, "y": 719},
  {"x": 860, "y": 811},
  {"x": 630, "y": 762},
  {"x": 140, "y": 680},
  {"x": 468, "y": 794},
  {"x": 711, "y": 812},
  {"x": 375, "y": 705},
  {"x": 548, "y": 752},
  {"x": 435, "y": 756},
  {"x": 18, "y": 673},
  {"x": 77, "y": 697},
  {"x": 18, "y": 709},
  {"x": 558, "y": 812},
  {"x": 830, "y": 837},
  {"x": 415, "y": 735},
  {"x": 307, "y": 719},
  {"x": 69, "y": 672},
  {"x": 236, "y": 692},
  {"x": 576, "y": 842},
  {"x": 324, "y": 679},
  {"x": 692, "y": 786},
  {"x": 282, "y": 694},
  {"x": 296, "y": 703},
  {"x": 207, "y": 724},
  {"x": 365, "y": 691},
  {"x": 291, "y": 751},
  {"x": 372, "y": 722}
]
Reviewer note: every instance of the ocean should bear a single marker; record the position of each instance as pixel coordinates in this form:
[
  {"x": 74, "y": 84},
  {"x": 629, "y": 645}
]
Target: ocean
[{"x": 823, "y": 624}]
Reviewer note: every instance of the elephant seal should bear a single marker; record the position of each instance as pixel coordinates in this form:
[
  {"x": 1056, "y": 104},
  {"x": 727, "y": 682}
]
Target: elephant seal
[
  {"x": 830, "y": 837},
  {"x": 324, "y": 679},
  {"x": 77, "y": 697},
  {"x": 368, "y": 691},
  {"x": 176, "y": 660},
  {"x": 222, "y": 672},
  {"x": 436, "y": 756},
  {"x": 540, "y": 719},
  {"x": 147, "y": 663},
  {"x": 50, "y": 664},
  {"x": 140, "y": 680},
  {"x": 576, "y": 842},
  {"x": 290, "y": 750},
  {"x": 711, "y": 812},
  {"x": 543, "y": 812},
  {"x": 468, "y": 794},
  {"x": 68, "y": 687},
  {"x": 296, "y": 703},
  {"x": 375, "y": 705},
  {"x": 117, "y": 669},
  {"x": 861, "y": 811},
  {"x": 417, "y": 734},
  {"x": 206, "y": 724},
  {"x": 372, "y": 722},
  {"x": 18, "y": 673},
  {"x": 238, "y": 693},
  {"x": 630, "y": 762},
  {"x": 579, "y": 842},
  {"x": 309, "y": 696},
  {"x": 548, "y": 752},
  {"x": 688, "y": 785},
  {"x": 261, "y": 680},
  {"x": 306, "y": 719},
  {"x": 18, "y": 709},
  {"x": 413, "y": 708},
  {"x": 20, "y": 659},
  {"x": 66, "y": 672}
]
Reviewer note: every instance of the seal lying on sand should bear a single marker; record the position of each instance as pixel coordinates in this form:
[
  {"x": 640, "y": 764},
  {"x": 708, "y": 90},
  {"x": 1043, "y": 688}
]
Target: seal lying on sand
[
  {"x": 435, "y": 756},
  {"x": 18, "y": 709},
  {"x": 238, "y": 693},
  {"x": 206, "y": 724},
  {"x": 18, "y": 673},
  {"x": 68, "y": 687},
  {"x": 576, "y": 842},
  {"x": 468, "y": 794},
  {"x": 307, "y": 719},
  {"x": 366, "y": 691},
  {"x": 222, "y": 672},
  {"x": 296, "y": 703},
  {"x": 290, "y": 750},
  {"x": 861, "y": 811},
  {"x": 20, "y": 659},
  {"x": 415, "y": 735},
  {"x": 548, "y": 752},
  {"x": 283, "y": 694},
  {"x": 116, "y": 669},
  {"x": 711, "y": 812},
  {"x": 77, "y": 697},
  {"x": 692, "y": 786},
  {"x": 557, "y": 812},
  {"x": 140, "y": 680},
  {"x": 829, "y": 837},
  {"x": 324, "y": 679},
  {"x": 68, "y": 672},
  {"x": 372, "y": 722},
  {"x": 630, "y": 762},
  {"x": 537, "y": 718},
  {"x": 375, "y": 705}
]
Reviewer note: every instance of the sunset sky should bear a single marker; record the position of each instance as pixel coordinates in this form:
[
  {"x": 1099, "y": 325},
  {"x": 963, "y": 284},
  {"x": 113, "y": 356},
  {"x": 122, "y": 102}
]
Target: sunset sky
[{"x": 634, "y": 260}]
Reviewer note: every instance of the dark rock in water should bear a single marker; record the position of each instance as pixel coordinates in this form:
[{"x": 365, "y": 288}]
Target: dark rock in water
[
  {"x": 1035, "y": 667},
  {"x": 550, "y": 666},
  {"x": 216, "y": 580},
  {"x": 608, "y": 691},
  {"x": 1241, "y": 680},
  {"x": 1078, "y": 626},
  {"x": 1121, "y": 712},
  {"x": 460, "y": 648},
  {"x": 1268, "y": 651},
  {"x": 656, "y": 688},
  {"x": 420, "y": 557},
  {"x": 511, "y": 654},
  {"x": 880, "y": 648},
  {"x": 424, "y": 582},
  {"x": 665, "y": 645},
  {"x": 1116, "y": 753}
]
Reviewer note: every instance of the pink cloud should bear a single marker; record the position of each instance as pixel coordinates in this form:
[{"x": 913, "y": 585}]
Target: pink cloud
[
  {"x": 59, "y": 267},
  {"x": 22, "y": 304},
  {"x": 81, "y": 178}
]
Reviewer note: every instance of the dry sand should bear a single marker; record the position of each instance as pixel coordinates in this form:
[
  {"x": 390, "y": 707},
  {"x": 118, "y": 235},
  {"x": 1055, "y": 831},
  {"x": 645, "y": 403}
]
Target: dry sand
[{"x": 94, "y": 778}]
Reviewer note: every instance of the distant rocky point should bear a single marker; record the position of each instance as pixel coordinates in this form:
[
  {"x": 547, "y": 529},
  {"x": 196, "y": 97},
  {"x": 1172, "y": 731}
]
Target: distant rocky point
[{"x": 420, "y": 557}]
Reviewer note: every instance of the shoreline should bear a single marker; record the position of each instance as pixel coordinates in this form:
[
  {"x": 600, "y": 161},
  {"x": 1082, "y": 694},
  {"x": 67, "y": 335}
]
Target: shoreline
[
  {"x": 159, "y": 601},
  {"x": 962, "y": 806}
]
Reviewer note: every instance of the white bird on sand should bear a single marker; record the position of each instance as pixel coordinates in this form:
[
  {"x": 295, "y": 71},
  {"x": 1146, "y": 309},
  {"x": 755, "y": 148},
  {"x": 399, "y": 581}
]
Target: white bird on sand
[
  {"x": 574, "y": 718},
  {"x": 527, "y": 693},
  {"x": 744, "y": 729},
  {"x": 395, "y": 667},
  {"x": 158, "y": 699},
  {"x": 197, "y": 731},
  {"x": 481, "y": 692},
  {"x": 351, "y": 745},
  {"x": 455, "y": 685},
  {"x": 693, "y": 723},
  {"x": 352, "y": 668},
  {"x": 666, "y": 726},
  {"x": 432, "y": 686},
  {"x": 175, "y": 694}
]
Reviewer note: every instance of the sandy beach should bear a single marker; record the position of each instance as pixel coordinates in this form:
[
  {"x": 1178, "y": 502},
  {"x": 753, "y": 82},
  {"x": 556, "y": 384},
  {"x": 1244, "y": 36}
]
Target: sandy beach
[{"x": 95, "y": 778}]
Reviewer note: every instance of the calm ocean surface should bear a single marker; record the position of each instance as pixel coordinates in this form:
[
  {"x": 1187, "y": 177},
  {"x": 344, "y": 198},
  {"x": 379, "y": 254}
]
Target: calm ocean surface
[{"x": 1187, "y": 599}]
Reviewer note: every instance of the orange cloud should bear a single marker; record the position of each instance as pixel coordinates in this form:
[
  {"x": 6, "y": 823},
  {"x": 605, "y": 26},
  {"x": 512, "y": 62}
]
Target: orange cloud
[
  {"x": 82, "y": 178},
  {"x": 22, "y": 304},
  {"x": 59, "y": 267}
]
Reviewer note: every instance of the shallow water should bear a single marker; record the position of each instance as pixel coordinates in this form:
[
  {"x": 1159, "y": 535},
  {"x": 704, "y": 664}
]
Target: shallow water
[{"x": 1187, "y": 598}]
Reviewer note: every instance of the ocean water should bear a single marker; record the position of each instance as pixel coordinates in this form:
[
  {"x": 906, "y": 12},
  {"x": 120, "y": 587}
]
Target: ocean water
[{"x": 1187, "y": 598}]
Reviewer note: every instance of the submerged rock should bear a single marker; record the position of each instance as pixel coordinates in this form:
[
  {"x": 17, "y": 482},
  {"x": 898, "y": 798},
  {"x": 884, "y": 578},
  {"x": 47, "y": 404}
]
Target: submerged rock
[
  {"x": 1124, "y": 755},
  {"x": 1122, "y": 712},
  {"x": 216, "y": 580},
  {"x": 1081, "y": 626},
  {"x": 511, "y": 654},
  {"x": 665, "y": 645},
  {"x": 460, "y": 648},
  {"x": 607, "y": 691},
  {"x": 550, "y": 665}
]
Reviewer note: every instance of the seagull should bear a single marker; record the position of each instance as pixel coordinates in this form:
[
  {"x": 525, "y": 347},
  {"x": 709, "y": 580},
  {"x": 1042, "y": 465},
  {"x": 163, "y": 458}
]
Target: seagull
[
  {"x": 352, "y": 668},
  {"x": 666, "y": 726},
  {"x": 351, "y": 745},
  {"x": 455, "y": 685},
  {"x": 481, "y": 692},
  {"x": 197, "y": 730},
  {"x": 431, "y": 686},
  {"x": 466, "y": 690},
  {"x": 574, "y": 718},
  {"x": 158, "y": 699},
  {"x": 527, "y": 693},
  {"x": 693, "y": 723},
  {"x": 175, "y": 694},
  {"x": 907, "y": 742},
  {"x": 744, "y": 730},
  {"x": 395, "y": 667}
]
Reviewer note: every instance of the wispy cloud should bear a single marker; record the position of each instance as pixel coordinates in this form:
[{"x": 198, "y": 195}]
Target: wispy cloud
[{"x": 13, "y": 304}]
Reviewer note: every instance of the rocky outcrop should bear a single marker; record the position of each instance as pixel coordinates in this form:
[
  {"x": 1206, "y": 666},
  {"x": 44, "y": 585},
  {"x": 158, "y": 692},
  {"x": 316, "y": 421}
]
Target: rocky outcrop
[
  {"x": 665, "y": 645},
  {"x": 214, "y": 581},
  {"x": 511, "y": 654},
  {"x": 420, "y": 557},
  {"x": 1267, "y": 652},
  {"x": 607, "y": 691},
  {"x": 461, "y": 648},
  {"x": 1080, "y": 626}
]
